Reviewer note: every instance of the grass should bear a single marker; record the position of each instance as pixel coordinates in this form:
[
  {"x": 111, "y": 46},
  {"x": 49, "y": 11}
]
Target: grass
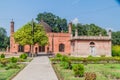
[
  {"x": 8, "y": 74},
  {"x": 103, "y": 71}
]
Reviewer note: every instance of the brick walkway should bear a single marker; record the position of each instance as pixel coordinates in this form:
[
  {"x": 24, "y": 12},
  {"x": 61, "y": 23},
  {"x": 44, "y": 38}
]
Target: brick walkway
[{"x": 38, "y": 69}]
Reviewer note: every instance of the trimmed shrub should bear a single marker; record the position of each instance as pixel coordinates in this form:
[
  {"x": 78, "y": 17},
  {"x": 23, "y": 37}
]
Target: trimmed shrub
[
  {"x": 23, "y": 56},
  {"x": 64, "y": 64},
  {"x": 90, "y": 76},
  {"x": 78, "y": 70},
  {"x": 4, "y": 61},
  {"x": 2, "y": 55},
  {"x": 64, "y": 58},
  {"x": 58, "y": 55},
  {"x": 13, "y": 60}
]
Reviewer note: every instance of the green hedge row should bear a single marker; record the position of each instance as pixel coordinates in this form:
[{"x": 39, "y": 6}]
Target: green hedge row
[{"x": 90, "y": 59}]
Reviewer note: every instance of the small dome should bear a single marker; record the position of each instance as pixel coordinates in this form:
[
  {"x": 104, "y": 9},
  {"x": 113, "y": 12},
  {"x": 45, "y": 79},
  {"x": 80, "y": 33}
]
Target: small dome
[{"x": 46, "y": 26}]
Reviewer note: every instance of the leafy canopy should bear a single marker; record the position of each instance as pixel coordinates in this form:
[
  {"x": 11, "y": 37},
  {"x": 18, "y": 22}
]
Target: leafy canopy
[
  {"x": 116, "y": 38},
  {"x": 57, "y": 24},
  {"x": 88, "y": 29},
  {"x": 28, "y": 35},
  {"x": 4, "y": 39}
]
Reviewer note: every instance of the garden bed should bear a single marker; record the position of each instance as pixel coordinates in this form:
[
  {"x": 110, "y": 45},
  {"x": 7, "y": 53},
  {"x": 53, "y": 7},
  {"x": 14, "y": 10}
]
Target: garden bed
[{"x": 103, "y": 72}]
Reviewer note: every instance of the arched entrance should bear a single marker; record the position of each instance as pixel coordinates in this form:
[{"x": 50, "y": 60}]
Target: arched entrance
[{"x": 92, "y": 49}]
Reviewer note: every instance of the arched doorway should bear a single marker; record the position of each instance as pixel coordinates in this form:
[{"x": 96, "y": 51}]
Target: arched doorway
[
  {"x": 61, "y": 47},
  {"x": 92, "y": 49}
]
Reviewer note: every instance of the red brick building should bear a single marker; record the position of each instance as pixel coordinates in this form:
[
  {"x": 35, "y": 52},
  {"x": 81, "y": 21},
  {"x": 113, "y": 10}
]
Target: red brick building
[{"x": 65, "y": 43}]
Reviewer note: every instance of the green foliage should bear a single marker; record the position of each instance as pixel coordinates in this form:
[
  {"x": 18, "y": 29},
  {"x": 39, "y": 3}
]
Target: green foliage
[
  {"x": 12, "y": 66},
  {"x": 24, "y": 35},
  {"x": 102, "y": 55},
  {"x": 4, "y": 61},
  {"x": 13, "y": 60},
  {"x": 2, "y": 55},
  {"x": 58, "y": 55},
  {"x": 56, "y": 23},
  {"x": 64, "y": 64},
  {"x": 23, "y": 56},
  {"x": 4, "y": 39},
  {"x": 64, "y": 58},
  {"x": 90, "y": 76},
  {"x": 116, "y": 38},
  {"x": 78, "y": 70},
  {"x": 116, "y": 50},
  {"x": 88, "y": 29}
]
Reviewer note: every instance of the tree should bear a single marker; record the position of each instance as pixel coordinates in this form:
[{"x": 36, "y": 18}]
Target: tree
[
  {"x": 27, "y": 35},
  {"x": 4, "y": 39},
  {"x": 57, "y": 24},
  {"x": 88, "y": 29},
  {"x": 116, "y": 38}
]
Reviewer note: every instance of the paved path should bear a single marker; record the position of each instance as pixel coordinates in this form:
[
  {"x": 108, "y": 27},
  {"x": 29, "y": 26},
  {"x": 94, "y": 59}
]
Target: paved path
[{"x": 38, "y": 69}]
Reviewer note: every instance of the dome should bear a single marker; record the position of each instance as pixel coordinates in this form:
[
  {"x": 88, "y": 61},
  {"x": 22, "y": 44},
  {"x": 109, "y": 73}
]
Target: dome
[{"x": 46, "y": 26}]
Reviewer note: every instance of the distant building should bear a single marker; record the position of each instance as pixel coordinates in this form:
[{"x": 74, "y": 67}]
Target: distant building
[{"x": 65, "y": 43}]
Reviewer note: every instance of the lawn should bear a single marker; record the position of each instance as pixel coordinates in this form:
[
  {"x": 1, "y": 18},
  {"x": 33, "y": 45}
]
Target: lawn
[
  {"x": 103, "y": 71},
  {"x": 9, "y": 67},
  {"x": 8, "y": 74}
]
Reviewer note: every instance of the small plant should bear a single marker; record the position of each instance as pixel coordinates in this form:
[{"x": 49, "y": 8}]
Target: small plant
[
  {"x": 78, "y": 70},
  {"x": 90, "y": 76},
  {"x": 23, "y": 56},
  {"x": 13, "y": 60},
  {"x": 58, "y": 55},
  {"x": 2, "y": 55}
]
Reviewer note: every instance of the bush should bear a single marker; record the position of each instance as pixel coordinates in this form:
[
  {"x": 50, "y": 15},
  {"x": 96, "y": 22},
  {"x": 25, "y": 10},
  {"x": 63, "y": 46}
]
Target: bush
[
  {"x": 64, "y": 64},
  {"x": 64, "y": 58},
  {"x": 13, "y": 60},
  {"x": 23, "y": 56},
  {"x": 78, "y": 70},
  {"x": 2, "y": 55},
  {"x": 4, "y": 61},
  {"x": 116, "y": 50},
  {"x": 58, "y": 55},
  {"x": 90, "y": 76}
]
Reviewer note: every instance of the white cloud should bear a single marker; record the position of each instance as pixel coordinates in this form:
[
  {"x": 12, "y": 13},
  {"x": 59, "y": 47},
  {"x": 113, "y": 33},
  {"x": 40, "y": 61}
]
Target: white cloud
[{"x": 75, "y": 21}]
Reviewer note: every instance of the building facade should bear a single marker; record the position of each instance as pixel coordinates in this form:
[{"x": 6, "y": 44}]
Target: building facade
[{"x": 67, "y": 44}]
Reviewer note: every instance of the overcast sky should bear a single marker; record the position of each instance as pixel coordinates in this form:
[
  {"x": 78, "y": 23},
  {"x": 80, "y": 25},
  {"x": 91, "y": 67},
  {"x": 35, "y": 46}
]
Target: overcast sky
[{"x": 104, "y": 13}]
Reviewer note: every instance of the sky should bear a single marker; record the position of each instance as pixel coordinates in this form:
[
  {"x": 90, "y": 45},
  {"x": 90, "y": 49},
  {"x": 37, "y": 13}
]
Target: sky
[{"x": 104, "y": 13}]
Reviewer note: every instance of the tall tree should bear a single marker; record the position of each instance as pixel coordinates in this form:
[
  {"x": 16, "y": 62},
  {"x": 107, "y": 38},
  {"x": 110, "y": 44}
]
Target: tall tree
[
  {"x": 116, "y": 38},
  {"x": 57, "y": 24},
  {"x": 28, "y": 35},
  {"x": 4, "y": 39},
  {"x": 89, "y": 29}
]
